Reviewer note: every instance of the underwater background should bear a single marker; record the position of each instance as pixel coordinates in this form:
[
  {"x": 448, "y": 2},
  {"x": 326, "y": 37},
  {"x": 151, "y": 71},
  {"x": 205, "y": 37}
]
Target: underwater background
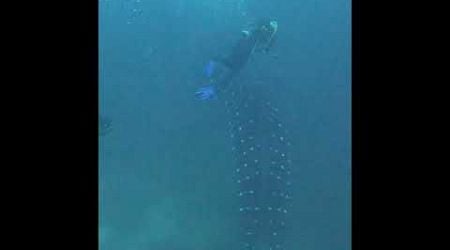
[{"x": 165, "y": 163}]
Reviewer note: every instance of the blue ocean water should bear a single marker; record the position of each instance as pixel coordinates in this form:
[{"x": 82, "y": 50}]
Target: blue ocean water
[{"x": 166, "y": 166}]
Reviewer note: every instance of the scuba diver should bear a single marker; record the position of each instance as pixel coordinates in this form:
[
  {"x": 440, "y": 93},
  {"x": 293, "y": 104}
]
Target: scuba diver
[{"x": 221, "y": 71}]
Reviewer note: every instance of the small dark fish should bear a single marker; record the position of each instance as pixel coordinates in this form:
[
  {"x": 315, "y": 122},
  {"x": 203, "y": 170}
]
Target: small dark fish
[{"x": 105, "y": 125}]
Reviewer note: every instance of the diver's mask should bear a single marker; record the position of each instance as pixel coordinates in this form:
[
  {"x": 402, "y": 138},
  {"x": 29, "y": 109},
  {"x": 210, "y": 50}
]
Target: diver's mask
[{"x": 268, "y": 31}]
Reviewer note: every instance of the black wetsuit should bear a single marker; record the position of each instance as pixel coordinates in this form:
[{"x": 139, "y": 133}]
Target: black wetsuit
[{"x": 240, "y": 54}]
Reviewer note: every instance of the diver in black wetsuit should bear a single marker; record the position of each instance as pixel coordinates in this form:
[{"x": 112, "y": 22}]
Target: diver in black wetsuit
[{"x": 258, "y": 39}]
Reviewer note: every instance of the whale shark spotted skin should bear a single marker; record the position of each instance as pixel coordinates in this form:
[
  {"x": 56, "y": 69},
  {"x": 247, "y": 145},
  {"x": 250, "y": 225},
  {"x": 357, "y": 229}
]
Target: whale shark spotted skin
[{"x": 262, "y": 171}]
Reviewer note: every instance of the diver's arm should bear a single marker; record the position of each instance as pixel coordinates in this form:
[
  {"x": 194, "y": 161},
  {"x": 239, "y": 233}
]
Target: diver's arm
[{"x": 219, "y": 80}]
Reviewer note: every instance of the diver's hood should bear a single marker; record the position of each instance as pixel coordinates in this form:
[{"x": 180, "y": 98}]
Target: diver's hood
[{"x": 273, "y": 28}]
